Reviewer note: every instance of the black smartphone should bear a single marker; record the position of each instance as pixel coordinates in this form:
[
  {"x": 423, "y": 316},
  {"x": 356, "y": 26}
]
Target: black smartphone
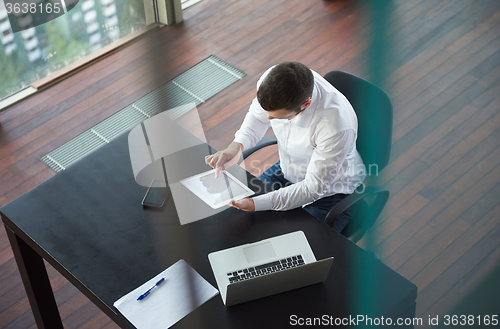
[{"x": 156, "y": 195}]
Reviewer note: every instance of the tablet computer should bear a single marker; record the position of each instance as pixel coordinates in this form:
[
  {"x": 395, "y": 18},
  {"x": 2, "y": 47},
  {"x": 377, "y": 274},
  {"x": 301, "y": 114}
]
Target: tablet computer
[{"x": 216, "y": 192}]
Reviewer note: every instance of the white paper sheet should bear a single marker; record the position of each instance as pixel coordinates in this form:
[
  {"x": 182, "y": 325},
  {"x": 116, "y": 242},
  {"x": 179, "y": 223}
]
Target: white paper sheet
[{"x": 181, "y": 293}]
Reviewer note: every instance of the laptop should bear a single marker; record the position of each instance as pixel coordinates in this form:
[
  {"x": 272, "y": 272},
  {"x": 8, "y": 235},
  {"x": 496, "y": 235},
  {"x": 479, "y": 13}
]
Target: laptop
[{"x": 267, "y": 267}]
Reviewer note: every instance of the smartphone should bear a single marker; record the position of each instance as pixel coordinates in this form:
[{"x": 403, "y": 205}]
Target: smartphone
[{"x": 157, "y": 194}]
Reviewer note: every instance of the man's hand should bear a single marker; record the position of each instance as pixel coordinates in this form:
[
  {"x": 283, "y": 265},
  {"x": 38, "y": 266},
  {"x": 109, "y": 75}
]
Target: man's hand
[
  {"x": 245, "y": 204},
  {"x": 225, "y": 158}
]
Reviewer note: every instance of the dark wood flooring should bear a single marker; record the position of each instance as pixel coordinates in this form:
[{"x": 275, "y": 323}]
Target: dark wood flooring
[{"x": 441, "y": 66}]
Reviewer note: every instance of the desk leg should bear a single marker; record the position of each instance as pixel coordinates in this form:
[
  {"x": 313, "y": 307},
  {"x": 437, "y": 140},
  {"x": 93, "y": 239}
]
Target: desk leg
[{"x": 36, "y": 282}]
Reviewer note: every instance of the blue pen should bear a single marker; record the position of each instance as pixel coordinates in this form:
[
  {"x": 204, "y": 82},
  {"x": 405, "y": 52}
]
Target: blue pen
[{"x": 144, "y": 295}]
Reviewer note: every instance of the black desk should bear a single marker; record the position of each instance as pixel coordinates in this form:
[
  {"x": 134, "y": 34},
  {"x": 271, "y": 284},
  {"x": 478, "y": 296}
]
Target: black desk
[{"x": 88, "y": 223}]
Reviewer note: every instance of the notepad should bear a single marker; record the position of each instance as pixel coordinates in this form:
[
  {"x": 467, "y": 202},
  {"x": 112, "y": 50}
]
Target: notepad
[{"x": 181, "y": 293}]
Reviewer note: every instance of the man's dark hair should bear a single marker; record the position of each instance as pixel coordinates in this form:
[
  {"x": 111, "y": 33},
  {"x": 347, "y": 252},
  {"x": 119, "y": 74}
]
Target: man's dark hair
[{"x": 287, "y": 86}]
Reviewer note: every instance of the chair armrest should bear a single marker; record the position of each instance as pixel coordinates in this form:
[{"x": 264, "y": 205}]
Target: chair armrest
[
  {"x": 265, "y": 141},
  {"x": 354, "y": 198}
]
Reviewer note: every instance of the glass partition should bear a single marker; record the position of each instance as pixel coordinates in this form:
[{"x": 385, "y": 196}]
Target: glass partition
[{"x": 39, "y": 50}]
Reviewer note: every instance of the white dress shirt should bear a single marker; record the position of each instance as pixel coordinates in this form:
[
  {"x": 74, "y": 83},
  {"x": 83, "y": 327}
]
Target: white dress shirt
[{"x": 317, "y": 148}]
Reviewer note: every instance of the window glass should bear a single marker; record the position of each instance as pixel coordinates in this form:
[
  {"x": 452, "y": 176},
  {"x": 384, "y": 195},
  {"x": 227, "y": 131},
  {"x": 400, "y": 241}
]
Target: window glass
[{"x": 37, "y": 51}]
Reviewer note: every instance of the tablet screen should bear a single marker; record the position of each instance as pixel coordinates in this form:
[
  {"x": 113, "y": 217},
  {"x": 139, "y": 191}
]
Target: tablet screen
[{"x": 216, "y": 192}]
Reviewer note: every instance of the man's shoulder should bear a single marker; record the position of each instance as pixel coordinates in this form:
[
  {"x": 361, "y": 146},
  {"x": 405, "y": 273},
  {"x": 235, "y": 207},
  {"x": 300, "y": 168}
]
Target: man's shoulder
[
  {"x": 323, "y": 83},
  {"x": 334, "y": 113}
]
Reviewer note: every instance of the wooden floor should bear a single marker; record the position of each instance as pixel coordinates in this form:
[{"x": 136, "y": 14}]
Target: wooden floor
[{"x": 440, "y": 228}]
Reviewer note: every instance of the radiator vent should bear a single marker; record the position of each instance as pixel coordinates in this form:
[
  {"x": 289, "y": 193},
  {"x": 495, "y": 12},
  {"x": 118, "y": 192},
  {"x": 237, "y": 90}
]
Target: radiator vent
[{"x": 196, "y": 85}]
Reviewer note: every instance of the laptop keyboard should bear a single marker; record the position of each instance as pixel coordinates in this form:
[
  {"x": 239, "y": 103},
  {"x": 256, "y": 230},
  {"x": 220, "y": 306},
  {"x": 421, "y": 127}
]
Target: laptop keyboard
[{"x": 264, "y": 269}]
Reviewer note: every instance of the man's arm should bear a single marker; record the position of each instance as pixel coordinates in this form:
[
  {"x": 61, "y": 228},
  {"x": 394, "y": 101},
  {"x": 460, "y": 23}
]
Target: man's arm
[
  {"x": 254, "y": 126},
  {"x": 324, "y": 170},
  {"x": 252, "y": 130}
]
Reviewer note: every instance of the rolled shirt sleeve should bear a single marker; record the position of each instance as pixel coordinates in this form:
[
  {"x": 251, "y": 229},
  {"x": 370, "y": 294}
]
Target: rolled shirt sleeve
[{"x": 325, "y": 169}]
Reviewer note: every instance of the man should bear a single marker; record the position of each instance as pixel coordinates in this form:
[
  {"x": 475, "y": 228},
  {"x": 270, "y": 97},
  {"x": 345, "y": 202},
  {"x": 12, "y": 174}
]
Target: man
[{"x": 316, "y": 129}]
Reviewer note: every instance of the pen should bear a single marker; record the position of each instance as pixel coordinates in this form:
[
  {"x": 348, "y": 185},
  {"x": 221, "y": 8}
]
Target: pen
[{"x": 144, "y": 295}]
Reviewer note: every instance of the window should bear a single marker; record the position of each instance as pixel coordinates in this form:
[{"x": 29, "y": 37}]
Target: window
[{"x": 34, "y": 53}]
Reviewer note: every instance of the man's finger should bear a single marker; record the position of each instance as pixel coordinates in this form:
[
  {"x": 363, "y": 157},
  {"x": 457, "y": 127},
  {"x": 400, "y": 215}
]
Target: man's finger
[
  {"x": 220, "y": 162},
  {"x": 209, "y": 159},
  {"x": 218, "y": 169}
]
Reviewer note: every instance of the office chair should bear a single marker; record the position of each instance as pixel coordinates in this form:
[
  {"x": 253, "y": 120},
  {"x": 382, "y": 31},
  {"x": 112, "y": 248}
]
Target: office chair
[{"x": 373, "y": 108}]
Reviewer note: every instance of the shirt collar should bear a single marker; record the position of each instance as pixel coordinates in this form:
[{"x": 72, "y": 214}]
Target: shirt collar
[{"x": 304, "y": 118}]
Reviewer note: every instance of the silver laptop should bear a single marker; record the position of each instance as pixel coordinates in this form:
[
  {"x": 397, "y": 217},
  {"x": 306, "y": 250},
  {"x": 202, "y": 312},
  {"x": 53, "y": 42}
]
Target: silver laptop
[{"x": 267, "y": 267}]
